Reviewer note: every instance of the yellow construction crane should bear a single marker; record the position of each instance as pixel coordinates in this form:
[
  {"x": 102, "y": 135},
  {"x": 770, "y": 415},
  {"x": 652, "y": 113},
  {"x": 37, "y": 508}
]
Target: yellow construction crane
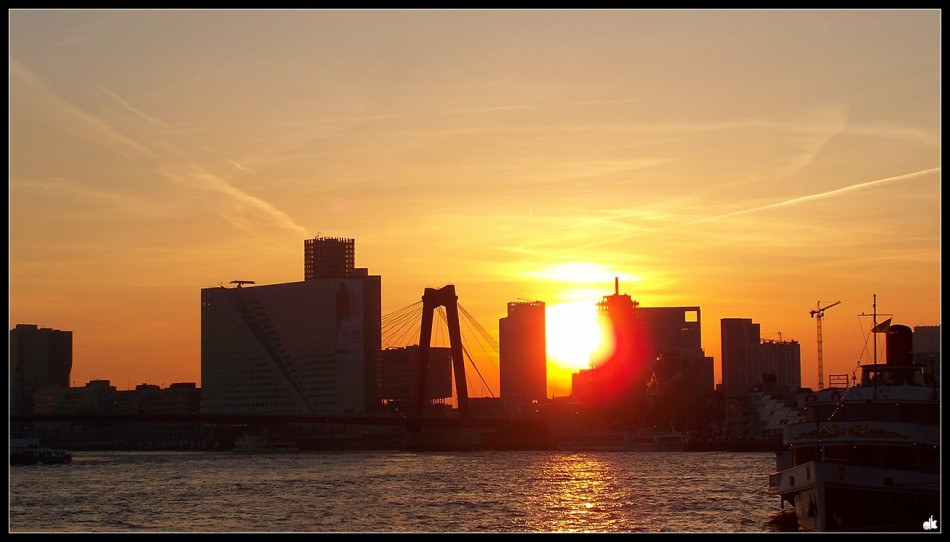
[{"x": 820, "y": 313}]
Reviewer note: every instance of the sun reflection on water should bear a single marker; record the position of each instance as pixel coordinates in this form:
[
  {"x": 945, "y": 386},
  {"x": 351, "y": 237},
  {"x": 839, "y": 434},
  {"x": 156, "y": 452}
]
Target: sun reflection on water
[{"x": 582, "y": 493}]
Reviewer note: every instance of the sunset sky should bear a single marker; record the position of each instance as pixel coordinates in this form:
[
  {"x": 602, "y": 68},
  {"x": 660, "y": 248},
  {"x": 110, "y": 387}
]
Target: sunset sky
[{"x": 751, "y": 163}]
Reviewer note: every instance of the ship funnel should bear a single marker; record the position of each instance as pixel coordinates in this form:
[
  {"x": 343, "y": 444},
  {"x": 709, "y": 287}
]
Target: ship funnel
[{"x": 900, "y": 345}]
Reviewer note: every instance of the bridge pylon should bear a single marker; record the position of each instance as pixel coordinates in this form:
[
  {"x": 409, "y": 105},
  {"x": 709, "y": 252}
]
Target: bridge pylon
[{"x": 433, "y": 298}]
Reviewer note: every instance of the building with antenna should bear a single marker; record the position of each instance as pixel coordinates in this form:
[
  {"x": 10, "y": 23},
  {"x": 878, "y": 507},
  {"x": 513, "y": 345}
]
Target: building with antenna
[{"x": 650, "y": 345}]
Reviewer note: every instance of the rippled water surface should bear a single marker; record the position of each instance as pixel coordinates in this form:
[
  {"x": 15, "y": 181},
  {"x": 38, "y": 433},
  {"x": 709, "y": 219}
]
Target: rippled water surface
[{"x": 396, "y": 492}]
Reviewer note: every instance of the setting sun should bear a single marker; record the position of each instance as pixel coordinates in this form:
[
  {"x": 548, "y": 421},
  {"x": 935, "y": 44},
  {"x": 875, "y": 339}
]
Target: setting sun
[{"x": 573, "y": 334}]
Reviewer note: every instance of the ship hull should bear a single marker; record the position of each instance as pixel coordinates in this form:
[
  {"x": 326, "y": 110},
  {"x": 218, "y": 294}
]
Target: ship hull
[{"x": 830, "y": 496}]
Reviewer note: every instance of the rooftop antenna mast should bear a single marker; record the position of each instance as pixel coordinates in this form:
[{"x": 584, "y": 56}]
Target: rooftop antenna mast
[
  {"x": 876, "y": 328},
  {"x": 874, "y": 321},
  {"x": 820, "y": 313}
]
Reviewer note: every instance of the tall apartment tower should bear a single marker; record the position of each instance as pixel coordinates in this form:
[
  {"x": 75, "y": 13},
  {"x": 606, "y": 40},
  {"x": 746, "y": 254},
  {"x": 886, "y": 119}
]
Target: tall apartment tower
[
  {"x": 522, "y": 355},
  {"x": 39, "y": 357},
  {"x": 741, "y": 362},
  {"x": 328, "y": 257}
]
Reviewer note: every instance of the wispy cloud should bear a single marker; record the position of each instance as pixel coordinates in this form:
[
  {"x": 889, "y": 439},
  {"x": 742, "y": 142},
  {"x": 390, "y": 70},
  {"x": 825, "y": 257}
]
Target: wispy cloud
[
  {"x": 238, "y": 207},
  {"x": 230, "y": 161},
  {"x": 106, "y": 201},
  {"x": 49, "y": 99},
  {"x": 244, "y": 210},
  {"x": 128, "y": 106},
  {"x": 821, "y": 126},
  {"x": 490, "y": 109}
]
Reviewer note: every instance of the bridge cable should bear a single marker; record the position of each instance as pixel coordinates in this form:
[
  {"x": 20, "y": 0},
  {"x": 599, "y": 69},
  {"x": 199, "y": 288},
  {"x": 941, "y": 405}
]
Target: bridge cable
[
  {"x": 468, "y": 323},
  {"x": 472, "y": 362},
  {"x": 397, "y": 324}
]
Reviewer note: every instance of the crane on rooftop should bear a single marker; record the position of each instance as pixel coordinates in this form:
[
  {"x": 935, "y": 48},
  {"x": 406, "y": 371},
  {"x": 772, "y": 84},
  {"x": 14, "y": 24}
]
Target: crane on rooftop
[{"x": 819, "y": 313}]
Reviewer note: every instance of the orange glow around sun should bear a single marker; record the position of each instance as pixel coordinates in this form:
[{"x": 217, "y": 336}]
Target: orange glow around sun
[{"x": 574, "y": 335}]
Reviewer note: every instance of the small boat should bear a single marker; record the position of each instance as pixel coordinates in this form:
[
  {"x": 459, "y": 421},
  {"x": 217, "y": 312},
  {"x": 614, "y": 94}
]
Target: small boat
[
  {"x": 866, "y": 457},
  {"x": 54, "y": 456},
  {"x": 27, "y": 451}
]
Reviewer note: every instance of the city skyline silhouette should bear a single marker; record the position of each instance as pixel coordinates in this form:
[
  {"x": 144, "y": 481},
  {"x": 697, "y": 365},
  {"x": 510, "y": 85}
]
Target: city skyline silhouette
[{"x": 754, "y": 163}]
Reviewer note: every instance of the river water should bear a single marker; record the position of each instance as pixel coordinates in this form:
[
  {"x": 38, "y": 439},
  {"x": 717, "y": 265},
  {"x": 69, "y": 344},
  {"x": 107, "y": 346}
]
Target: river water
[{"x": 391, "y": 491}]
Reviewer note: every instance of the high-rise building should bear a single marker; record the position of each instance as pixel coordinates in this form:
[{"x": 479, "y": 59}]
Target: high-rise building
[
  {"x": 522, "y": 355},
  {"x": 741, "y": 361},
  {"x": 656, "y": 362},
  {"x": 643, "y": 334},
  {"x": 926, "y": 351},
  {"x": 310, "y": 347},
  {"x": 781, "y": 364},
  {"x": 748, "y": 361},
  {"x": 757, "y": 377},
  {"x": 681, "y": 391},
  {"x": 39, "y": 357},
  {"x": 328, "y": 257},
  {"x": 640, "y": 336}
]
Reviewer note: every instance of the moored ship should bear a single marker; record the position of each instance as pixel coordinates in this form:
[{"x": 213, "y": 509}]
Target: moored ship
[
  {"x": 27, "y": 451},
  {"x": 866, "y": 457}
]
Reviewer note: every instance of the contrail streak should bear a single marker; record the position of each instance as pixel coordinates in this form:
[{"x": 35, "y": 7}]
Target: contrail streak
[
  {"x": 51, "y": 100},
  {"x": 786, "y": 203},
  {"x": 246, "y": 211},
  {"x": 814, "y": 197},
  {"x": 129, "y": 106}
]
